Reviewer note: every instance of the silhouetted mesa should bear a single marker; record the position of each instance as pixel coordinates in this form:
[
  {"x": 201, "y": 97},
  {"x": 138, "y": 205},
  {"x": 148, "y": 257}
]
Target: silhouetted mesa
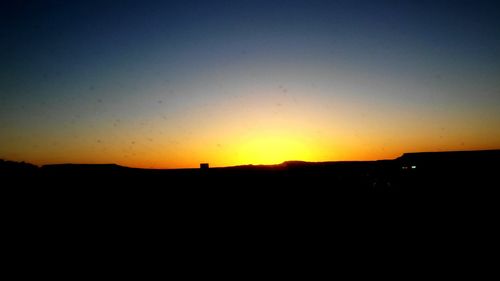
[
  {"x": 428, "y": 172},
  {"x": 451, "y": 171}
]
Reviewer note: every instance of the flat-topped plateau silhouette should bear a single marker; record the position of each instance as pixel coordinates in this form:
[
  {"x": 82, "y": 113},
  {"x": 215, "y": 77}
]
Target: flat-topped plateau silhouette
[{"x": 412, "y": 172}]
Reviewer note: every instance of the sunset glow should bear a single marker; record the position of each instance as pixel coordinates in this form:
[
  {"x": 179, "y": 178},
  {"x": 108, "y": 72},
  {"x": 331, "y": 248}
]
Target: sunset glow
[{"x": 171, "y": 84}]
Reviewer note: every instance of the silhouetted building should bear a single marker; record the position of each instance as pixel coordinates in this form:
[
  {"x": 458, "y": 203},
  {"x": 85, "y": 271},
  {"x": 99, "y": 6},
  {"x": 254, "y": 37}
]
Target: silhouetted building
[{"x": 204, "y": 166}]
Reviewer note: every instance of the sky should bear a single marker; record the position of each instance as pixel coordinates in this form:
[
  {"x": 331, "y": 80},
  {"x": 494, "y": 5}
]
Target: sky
[{"x": 172, "y": 84}]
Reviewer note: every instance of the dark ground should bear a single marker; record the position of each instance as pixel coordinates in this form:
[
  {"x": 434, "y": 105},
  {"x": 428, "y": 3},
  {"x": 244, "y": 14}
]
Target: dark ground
[{"x": 107, "y": 213}]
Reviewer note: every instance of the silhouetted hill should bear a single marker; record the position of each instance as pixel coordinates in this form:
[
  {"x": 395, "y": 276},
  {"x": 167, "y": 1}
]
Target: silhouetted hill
[
  {"x": 87, "y": 168},
  {"x": 9, "y": 168},
  {"x": 451, "y": 171},
  {"x": 412, "y": 172},
  {"x": 82, "y": 166}
]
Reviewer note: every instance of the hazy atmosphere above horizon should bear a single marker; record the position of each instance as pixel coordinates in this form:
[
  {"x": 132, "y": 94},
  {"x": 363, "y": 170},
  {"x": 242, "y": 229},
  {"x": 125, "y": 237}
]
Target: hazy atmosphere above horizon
[{"x": 171, "y": 84}]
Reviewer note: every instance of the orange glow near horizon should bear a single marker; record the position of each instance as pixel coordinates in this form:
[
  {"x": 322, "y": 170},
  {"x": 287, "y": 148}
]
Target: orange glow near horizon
[
  {"x": 273, "y": 149},
  {"x": 258, "y": 133},
  {"x": 260, "y": 125},
  {"x": 265, "y": 149}
]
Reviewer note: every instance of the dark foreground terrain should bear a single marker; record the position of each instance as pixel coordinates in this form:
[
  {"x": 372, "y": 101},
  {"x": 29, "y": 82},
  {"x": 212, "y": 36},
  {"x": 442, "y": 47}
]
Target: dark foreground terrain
[
  {"x": 287, "y": 208},
  {"x": 436, "y": 172}
]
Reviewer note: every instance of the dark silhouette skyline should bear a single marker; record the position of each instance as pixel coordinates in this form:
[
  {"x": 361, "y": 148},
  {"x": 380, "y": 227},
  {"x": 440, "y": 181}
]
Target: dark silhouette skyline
[{"x": 433, "y": 172}]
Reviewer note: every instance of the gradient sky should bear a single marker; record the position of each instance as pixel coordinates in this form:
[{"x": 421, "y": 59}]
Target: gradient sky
[{"x": 169, "y": 84}]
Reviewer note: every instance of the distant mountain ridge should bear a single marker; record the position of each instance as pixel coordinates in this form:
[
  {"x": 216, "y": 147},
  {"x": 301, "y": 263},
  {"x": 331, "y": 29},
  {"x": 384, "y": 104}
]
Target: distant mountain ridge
[
  {"x": 91, "y": 166},
  {"x": 406, "y": 157},
  {"x": 416, "y": 173}
]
